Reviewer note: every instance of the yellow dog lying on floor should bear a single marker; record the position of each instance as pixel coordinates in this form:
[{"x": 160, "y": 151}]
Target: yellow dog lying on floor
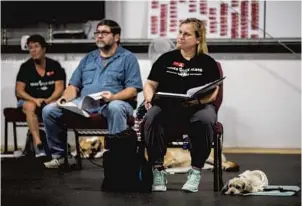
[
  {"x": 178, "y": 158},
  {"x": 93, "y": 147}
]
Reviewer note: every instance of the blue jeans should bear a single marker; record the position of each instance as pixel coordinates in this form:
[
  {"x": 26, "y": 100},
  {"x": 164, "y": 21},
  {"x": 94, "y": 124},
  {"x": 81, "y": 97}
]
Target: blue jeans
[
  {"x": 20, "y": 103},
  {"x": 116, "y": 113}
]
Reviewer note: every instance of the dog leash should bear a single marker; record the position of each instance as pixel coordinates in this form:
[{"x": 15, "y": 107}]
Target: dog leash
[{"x": 280, "y": 189}]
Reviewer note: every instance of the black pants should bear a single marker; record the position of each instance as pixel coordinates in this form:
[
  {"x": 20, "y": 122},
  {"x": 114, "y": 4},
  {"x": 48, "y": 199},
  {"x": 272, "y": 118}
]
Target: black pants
[{"x": 161, "y": 122}]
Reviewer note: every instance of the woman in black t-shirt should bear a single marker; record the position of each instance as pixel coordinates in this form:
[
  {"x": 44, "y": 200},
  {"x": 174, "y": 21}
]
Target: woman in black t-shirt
[
  {"x": 177, "y": 71},
  {"x": 40, "y": 80}
]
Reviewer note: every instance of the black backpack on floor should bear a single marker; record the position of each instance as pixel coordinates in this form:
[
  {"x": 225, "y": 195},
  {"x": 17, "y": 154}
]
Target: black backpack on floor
[{"x": 125, "y": 166}]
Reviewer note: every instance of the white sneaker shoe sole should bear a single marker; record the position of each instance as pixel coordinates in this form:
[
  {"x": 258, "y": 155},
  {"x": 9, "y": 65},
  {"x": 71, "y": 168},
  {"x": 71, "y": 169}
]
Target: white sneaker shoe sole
[
  {"x": 41, "y": 155},
  {"x": 53, "y": 164},
  {"x": 159, "y": 188},
  {"x": 187, "y": 189}
]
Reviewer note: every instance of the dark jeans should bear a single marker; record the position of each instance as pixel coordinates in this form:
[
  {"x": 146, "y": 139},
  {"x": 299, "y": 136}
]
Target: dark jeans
[{"x": 161, "y": 122}]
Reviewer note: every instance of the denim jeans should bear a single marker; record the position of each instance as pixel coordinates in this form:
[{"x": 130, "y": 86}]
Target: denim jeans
[
  {"x": 116, "y": 113},
  {"x": 20, "y": 103}
]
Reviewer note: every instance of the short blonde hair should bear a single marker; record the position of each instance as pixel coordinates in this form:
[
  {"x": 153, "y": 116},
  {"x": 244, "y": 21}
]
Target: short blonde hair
[{"x": 200, "y": 31}]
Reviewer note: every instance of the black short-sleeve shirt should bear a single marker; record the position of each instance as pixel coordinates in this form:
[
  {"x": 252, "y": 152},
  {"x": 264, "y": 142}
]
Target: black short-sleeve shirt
[
  {"x": 40, "y": 86},
  {"x": 175, "y": 74}
]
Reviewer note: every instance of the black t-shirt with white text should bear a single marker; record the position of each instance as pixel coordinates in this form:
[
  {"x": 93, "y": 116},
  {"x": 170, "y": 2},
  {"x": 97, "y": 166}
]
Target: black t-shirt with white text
[
  {"x": 175, "y": 74},
  {"x": 40, "y": 86}
]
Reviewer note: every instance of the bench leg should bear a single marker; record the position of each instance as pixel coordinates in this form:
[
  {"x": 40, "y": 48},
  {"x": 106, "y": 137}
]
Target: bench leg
[
  {"x": 218, "y": 183},
  {"x": 215, "y": 164},
  {"x": 45, "y": 144},
  {"x": 78, "y": 157},
  {"x": 66, "y": 165},
  {"x": 15, "y": 136},
  {"x": 29, "y": 146},
  {"x": 5, "y": 137},
  {"x": 219, "y": 153}
]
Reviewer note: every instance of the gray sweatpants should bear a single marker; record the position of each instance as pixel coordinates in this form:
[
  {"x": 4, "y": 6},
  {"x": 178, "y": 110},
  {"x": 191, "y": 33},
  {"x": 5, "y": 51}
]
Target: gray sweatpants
[{"x": 161, "y": 123}]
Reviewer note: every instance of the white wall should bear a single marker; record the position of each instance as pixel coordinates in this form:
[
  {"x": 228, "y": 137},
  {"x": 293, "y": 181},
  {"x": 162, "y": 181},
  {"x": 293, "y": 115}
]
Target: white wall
[
  {"x": 283, "y": 18},
  {"x": 261, "y": 107},
  {"x": 132, "y": 17}
]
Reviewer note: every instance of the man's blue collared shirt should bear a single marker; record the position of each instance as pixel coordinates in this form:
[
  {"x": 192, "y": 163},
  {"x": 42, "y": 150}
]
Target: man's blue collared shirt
[{"x": 115, "y": 74}]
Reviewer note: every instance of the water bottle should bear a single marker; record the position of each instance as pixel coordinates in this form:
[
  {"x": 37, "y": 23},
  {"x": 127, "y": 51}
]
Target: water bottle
[{"x": 185, "y": 145}]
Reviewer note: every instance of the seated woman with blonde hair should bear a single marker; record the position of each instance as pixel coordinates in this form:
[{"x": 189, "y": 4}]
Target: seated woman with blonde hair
[{"x": 177, "y": 71}]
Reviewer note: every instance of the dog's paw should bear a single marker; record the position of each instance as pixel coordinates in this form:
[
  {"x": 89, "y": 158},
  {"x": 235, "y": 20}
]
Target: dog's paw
[{"x": 100, "y": 154}]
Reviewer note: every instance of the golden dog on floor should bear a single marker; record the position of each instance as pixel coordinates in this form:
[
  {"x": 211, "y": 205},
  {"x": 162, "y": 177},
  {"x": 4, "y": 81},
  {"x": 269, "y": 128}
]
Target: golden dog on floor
[
  {"x": 93, "y": 147},
  {"x": 177, "y": 157}
]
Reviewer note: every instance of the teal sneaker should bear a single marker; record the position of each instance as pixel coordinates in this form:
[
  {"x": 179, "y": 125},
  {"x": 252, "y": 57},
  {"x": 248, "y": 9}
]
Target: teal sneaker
[
  {"x": 193, "y": 181},
  {"x": 159, "y": 181}
]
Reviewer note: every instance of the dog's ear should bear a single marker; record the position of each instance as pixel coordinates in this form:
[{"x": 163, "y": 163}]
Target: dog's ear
[
  {"x": 247, "y": 188},
  {"x": 81, "y": 140},
  {"x": 98, "y": 144},
  {"x": 225, "y": 188}
]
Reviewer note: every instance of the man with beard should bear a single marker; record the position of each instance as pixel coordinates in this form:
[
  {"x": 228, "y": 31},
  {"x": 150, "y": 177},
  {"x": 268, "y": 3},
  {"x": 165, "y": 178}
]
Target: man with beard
[
  {"x": 40, "y": 81},
  {"x": 110, "y": 69}
]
